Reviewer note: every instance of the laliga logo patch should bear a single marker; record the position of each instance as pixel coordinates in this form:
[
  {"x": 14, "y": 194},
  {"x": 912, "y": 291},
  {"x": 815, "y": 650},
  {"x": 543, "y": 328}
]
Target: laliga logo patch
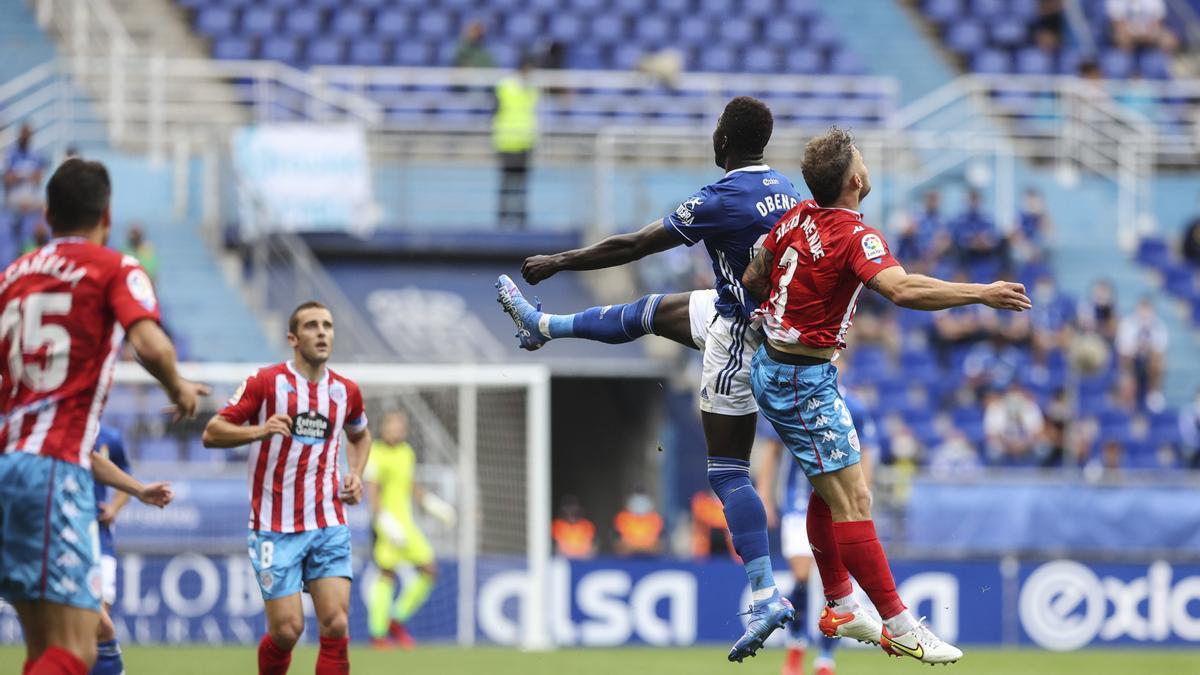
[
  {"x": 311, "y": 428},
  {"x": 237, "y": 395},
  {"x": 141, "y": 289},
  {"x": 872, "y": 247}
]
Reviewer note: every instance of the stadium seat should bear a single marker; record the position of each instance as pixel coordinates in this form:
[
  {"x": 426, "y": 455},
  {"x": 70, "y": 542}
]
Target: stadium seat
[
  {"x": 738, "y": 31},
  {"x": 823, "y": 34},
  {"x": 802, "y": 61},
  {"x": 259, "y": 21},
  {"x": 544, "y": 6},
  {"x": 1034, "y": 61},
  {"x": 965, "y": 37},
  {"x": 760, "y": 60},
  {"x": 392, "y": 22},
  {"x": 717, "y": 8},
  {"x": 324, "y": 51},
  {"x": 348, "y": 22},
  {"x": 215, "y": 21},
  {"x": 626, "y": 56},
  {"x": 1180, "y": 281},
  {"x": 435, "y": 25},
  {"x": 1154, "y": 65},
  {"x": 522, "y": 27},
  {"x": 766, "y": 9},
  {"x": 1009, "y": 32},
  {"x": 784, "y": 32},
  {"x": 991, "y": 62},
  {"x": 280, "y": 48},
  {"x": 694, "y": 30},
  {"x": 566, "y": 28},
  {"x": 412, "y": 53},
  {"x": 1116, "y": 64},
  {"x": 628, "y": 7},
  {"x": 302, "y": 22},
  {"x": 988, "y": 10},
  {"x": 943, "y": 11},
  {"x": 233, "y": 48},
  {"x": 846, "y": 62},
  {"x": 717, "y": 60},
  {"x": 608, "y": 29},
  {"x": 586, "y": 6},
  {"x": 365, "y": 51},
  {"x": 652, "y": 31},
  {"x": 1153, "y": 252}
]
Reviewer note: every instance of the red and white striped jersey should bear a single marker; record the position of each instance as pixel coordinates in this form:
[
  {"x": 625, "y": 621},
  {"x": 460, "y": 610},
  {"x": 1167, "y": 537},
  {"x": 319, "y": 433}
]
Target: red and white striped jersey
[
  {"x": 822, "y": 259},
  {"x": 294, "y": 482},
  {"x": 64, "y": 309}
]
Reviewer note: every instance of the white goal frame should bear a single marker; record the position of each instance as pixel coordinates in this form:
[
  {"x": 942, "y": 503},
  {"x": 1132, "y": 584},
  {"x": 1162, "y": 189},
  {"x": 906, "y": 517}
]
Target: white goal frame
[{"x": 469, "y": 379}]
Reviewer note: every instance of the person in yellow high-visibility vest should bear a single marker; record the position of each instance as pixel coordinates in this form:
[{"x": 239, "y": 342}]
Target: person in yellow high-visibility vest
[{"x": 514, "y": 134}]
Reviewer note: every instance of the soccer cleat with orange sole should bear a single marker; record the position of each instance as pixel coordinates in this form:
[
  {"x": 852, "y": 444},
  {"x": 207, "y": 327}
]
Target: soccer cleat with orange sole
[{"x": 856, "y": 624}]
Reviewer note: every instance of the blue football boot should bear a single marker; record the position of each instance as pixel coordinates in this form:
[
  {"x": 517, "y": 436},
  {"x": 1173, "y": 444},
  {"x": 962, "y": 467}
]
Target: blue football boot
[
  {"x": 523, "y": 314},
  {"x": 765, "y": 617}
]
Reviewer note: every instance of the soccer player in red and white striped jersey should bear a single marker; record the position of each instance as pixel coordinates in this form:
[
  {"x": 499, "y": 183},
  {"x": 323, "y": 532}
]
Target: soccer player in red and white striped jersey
[
  {"x": 293, "y": 415},
  {"x": 64, "y": 311}
]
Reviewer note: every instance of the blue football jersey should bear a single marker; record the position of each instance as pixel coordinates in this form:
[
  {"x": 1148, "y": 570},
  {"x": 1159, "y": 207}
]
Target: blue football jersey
[
  {"x": 110, "y": 444},
  {"x": 732, "y": 217},
  {"x": 796, "y": 487}
]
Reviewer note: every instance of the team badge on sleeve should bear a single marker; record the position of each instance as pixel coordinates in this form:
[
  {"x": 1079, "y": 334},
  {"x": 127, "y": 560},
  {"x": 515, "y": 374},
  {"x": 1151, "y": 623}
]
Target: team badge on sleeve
[
  {"x": 141, "y": 289},
  {"x": 872, "y": 247}
]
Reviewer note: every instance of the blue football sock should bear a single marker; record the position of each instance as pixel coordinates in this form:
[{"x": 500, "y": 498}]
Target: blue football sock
[
  {"x": 828, "y": 644},
  {"x": 612, "y": 324},
  {"x": 746, "y": 519},
  {"x": 108, "y": 659},
  {"x": 799, "y": 598}
]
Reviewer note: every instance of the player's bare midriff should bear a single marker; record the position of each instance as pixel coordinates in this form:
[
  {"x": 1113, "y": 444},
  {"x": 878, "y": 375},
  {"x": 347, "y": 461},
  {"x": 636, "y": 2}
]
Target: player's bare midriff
[{"x": 825, "y": 353}]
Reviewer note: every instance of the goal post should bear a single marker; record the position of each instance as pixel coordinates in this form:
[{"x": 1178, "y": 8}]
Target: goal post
[{"x": 480, "y": 432}]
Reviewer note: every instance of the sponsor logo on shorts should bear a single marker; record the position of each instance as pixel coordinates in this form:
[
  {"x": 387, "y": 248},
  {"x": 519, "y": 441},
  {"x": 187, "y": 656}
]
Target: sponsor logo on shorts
[
  {"x": 829, "y": 435},
  {"x": 837, "y": 454},
  {"x": 821, "y": 421},
  {"x": 814, "y": 403}
]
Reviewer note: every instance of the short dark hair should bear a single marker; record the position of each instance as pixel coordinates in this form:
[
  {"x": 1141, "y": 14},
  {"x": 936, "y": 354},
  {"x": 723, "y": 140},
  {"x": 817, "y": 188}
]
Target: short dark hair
[
  {"x": 827, "y": 159},
  {"x": 77, "y": 196},
  {"x": 294, "y": 319},
  {"x": 747, "y": 123}
]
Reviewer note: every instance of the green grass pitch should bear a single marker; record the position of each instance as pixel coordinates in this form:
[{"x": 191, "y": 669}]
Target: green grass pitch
[{"x": 647, "y": 661}]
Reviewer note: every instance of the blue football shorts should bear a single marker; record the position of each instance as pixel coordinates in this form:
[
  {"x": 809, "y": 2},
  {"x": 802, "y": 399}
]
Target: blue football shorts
[
  {"x": 284, "y": 562},
  {"x": 804, "y": 406},
  {"x": 49, "y": 538}
]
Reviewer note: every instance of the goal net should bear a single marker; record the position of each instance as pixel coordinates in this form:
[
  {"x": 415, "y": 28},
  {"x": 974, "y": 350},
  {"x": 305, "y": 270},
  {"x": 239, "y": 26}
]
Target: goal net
[{"x": 481, "y": 436}]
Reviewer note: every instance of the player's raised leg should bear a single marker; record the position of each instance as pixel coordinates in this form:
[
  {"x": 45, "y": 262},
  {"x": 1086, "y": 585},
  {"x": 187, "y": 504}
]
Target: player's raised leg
[
  {"x": 331, "y": 600},
  {"x": 655, "y": 314}
]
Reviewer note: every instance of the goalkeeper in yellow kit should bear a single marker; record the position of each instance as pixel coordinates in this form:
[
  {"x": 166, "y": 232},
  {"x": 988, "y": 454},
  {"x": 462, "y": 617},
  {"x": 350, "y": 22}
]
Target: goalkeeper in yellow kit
[{"x": 398, "y": 541}]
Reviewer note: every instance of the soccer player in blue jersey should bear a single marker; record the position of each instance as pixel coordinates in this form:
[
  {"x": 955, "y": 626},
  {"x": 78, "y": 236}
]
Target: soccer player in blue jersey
[
  {"x": 109, "y": 444},
  {"x": 792, "y": 507},
  {"x": 732, "y": 217}
]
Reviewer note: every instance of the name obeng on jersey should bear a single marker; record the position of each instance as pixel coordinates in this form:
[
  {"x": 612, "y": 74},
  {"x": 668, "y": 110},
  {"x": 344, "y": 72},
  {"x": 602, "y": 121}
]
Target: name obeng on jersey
[{"x": 310, "y": 428}]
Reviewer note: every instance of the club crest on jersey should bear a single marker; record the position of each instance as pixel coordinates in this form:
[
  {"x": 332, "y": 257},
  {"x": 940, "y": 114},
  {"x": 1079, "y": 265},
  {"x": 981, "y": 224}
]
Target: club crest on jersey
[
  {"x": 337, "y": 393},
  {"x": 853, "y": 438},
  {"x": 267, "y": 579},
  {"x": 310, "y": 428},
  {"x": 872, "y": 247},
  {"x": 141, "y": 289}
]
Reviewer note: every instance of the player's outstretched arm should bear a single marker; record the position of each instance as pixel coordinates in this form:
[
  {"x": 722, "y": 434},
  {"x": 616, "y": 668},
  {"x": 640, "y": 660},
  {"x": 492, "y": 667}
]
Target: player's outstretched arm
[
  {"x": 359, "y": 450},
  {"x": 613, "y": 251},
  {"x": 156, "y": 353},
  {"x": 757, "y": 279},
  {"x": 221, "y": 433},
  {"x": 154, "y": 494},
  {"x": 917, "y": 291}
]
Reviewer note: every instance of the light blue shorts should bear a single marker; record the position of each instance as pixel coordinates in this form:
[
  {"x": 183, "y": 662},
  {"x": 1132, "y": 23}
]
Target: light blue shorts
[
  {"x": 285, "y": 562},
  {"x": 804, "y": 406},
  {"x": 49, "y": 538}
]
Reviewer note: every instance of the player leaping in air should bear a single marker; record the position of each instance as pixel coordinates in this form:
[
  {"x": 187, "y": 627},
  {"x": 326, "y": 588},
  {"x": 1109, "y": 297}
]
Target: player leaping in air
[
  {"x": 292, "y": 415},
  {"x": 811, "y": 271},
  {"x": 66, "y": 308},
  {"x": 732, "y": 217}
]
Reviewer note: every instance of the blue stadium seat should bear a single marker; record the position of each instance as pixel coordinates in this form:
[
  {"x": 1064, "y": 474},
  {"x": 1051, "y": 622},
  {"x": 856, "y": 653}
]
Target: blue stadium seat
[
  {"x": 1069, "y": 60},
  {"x": 259, "y": 21},
  {"x": 1009, "y": 32},
  {"x": 991, "y": 62},
  {"x": 215, "y": 21},
  {"x": 802, "y": 61},
  {"x": 846, "y": 62},
  {"x": 325, "y": 51},
  {"x": 737, "y": 30},
  {"x": 1023, "y": 9},
  {"x": 717, "y": 8},
  {"x": 506, "y": 55},
  {"x": 1196, "y": 310},
  {"x": 965, "y": 37},
  {"x": 233, "y": 48},
  {"x": 1153, "y": 252},
  {"x": 348, "y": 22},
  {"x": 544, "y": 6},
  {"x": 1034, "y": 61},
  {"x": 585, "y": 56},
  {"x": 392, "y": 22},
  {"x": 652, "y": 31},
  {"x": 761, "y": 60},
  {"x": 367, "y": 51},
  {"x": 784, "y": 32},
  {"x": 522, "y": 27},
  {"x": 988, "y": 10},
  {"x": 586, "y": 6},
  {"x": 435, "y": 25},
  {"x": 566, "y": 28},
  {"x": 1116, "y": 64},
  {"x": 823, "y": 34},
  {"x": 1180, "y": 281},
  {"x": 676, "y": 8},
  {"x": 412, "y": 53},
  {"x": 626, "y": 56},
  {"x": 608, "y": 29},
  {"x": 694, "y": 30},
  {"x": 717, "y": 59},
  {"x": 1154, "y": 65},
  {"x": 943, "y": 11},
  {"x": 766, "y": 9},
  {"x": 327, "y": 4},
  {"x": 302, "y": 22},
  {"x": 364, "y": 4},
  {"x": 280, "y": 48}
]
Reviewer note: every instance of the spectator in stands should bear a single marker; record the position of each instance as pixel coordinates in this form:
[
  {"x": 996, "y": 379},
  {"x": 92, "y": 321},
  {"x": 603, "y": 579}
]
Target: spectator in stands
[
  {"x": 924, "y": 238},
  {"x": 1107, "y": 466},
  {"x": 23, "y": 205},
  {"x": 992, "y": 365},
  {"x": 1138, "y": 24},
  {"x": 471, "y": 52},
  {"x": 1189, "y": 432},
  {"x": 1060, "y": 411},
  {"x": 664, "y": 65},
  {"x": 1098, "y": 312},
  {"x": 954, "y": 457},
  {"x": 1142, "y": 346},
  {"x": 514, "y": 134},
  {"x": 710, "y": 536},
  {"x": 139, "y": 247},
  {"x": 574, "y": 535},
  {"x": 1014, "y": 427},
  {"x": 1190, "y": 246},
  {"x": 638, "y": 526},
  {"x": 977, "y": 238},
  {"x": 1034, "y": 228},
  {"x": 1049, "y": 24}
]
